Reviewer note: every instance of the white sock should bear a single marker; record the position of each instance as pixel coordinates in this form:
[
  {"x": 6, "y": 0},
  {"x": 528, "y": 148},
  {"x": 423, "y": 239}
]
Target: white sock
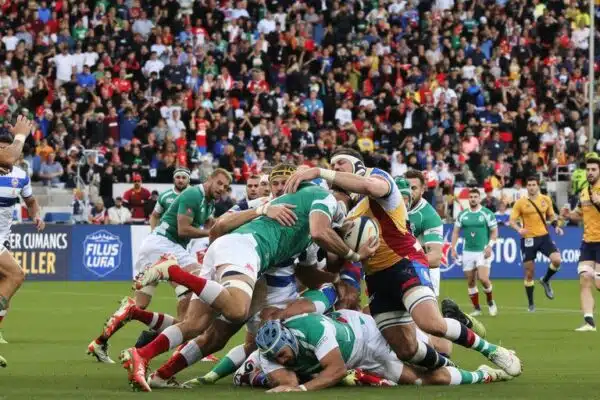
[
  {"x": 166, "y": 322},
  {"x": 487, "y": 290},
  {"x": 175, "y": 336},
  {"x": 453, "y": 329},
  {"x": 237, "y": 355},
  {"x": 191, "y": 352},
  {"x": 473, "y": 290},
  {"x": 455, "y": 375},
  {"x": 420, "y": 354}
]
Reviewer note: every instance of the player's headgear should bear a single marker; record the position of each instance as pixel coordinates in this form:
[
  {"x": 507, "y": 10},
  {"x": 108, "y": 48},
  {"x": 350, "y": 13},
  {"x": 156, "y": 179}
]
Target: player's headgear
[
  {"x": 353, "y": 156},
  {"x": 274, "y": 336},
  {"x": 404, "y": 188},
  {"x": 182, "y": 171},
  {"x": 282, "y": 171}
]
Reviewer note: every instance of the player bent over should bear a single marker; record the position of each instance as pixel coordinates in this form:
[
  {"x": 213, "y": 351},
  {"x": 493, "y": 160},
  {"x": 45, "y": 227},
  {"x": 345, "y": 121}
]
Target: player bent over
[
  {"x": 178, "y": 226},
  {"x": 533, "y": 210},
  {"x": 588, "y": 210},
  {"x": 397, "y": 275},
  {"x": 323, "y": 348},
  {"x": 480, "y": 233},
  {"x": 235, "y": 261},
  {"x": 14, "y": 182}
]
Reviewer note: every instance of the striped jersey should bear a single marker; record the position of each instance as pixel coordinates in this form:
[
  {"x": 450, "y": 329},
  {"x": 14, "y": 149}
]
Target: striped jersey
[{"x": 12, "y": 185}]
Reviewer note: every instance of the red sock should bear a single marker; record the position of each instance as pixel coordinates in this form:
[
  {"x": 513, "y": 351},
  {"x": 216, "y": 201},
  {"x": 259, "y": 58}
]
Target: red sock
[
  {"x": 154, "y": 348},
  {"x": 194, "y": 283},
  {"x": 489, "y": 297},
  {"x": 475, "y": 300},
  {"x": 176, "y": 363},
  {"x": 143, "y": 316},
  {"x": 2, "y": 315}
]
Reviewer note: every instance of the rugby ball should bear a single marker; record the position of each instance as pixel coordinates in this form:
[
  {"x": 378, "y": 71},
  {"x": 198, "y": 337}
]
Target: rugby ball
[{"x": 360, "y": 231}]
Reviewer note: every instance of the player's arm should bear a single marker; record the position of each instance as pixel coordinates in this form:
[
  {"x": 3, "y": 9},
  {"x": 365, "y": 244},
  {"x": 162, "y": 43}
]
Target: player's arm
[
  {"x": 185, "y": 217},
  {"x": 9, "y": 155},
  {"x": 375, "y": 186},
  {"x": 334, "y": 370},
  {"x": 283, "y": 377},
  {"x": 574, "y": 216},
  {"x": 282, "y": 213},
  {"x": 515, "y": 216},
  {"x": 156, "y": 214},
  {"x": 433, "y": 238},
  {"x": 455, "y": 235},
  {"x": 34, "y": 212},
  {"x": 325, "y": 237}
]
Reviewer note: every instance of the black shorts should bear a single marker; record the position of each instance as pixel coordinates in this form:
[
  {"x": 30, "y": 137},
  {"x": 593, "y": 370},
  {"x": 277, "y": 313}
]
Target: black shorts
[
  {"x": 387, "y": 287},
  {"x": 531, "y": 246},
  {"x": 590, "y": 252}
]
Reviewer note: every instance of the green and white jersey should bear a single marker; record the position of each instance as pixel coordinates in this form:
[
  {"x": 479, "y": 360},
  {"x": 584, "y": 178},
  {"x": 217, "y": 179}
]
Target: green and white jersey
[
  {"x": 277, "y": 243},
  {"x": 317, "y": 335},
  {"x": 425, "y": 223},
  {"x": 165, "y": 199},
  {"x": 476, "y": 226},
  {"x": 192, "y": 203}
]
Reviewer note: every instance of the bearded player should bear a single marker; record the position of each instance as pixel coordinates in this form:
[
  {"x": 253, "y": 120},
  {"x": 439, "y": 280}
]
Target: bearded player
[
  {"x": 397, "y": 275},
  {"x": 180, "y": 224},
  {"x": 480, "y": 233},
  {"x": 588, "y": 211}
]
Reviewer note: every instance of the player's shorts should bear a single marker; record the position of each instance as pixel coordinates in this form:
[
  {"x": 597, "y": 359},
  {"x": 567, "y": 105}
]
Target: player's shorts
[
  {"x": 436, "y": 276},
  {"x": 387, "y": 289},
  {"x": 371, "y": 351},
  {"x": 265, "y": 296},
  {"x": 531, "y": 246},
  {"x": 590, "y": 252},
  {"x": 238, "y": 250},
  {"x": 155, "y": 246},
  {"x": 198, "y": 248},
  {"x": 475, "y": 259}
]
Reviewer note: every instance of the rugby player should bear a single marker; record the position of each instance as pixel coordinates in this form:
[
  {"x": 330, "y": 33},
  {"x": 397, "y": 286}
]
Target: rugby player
[
  {"x": 534, "y": 210},
  {"x": 320, "y": 349},
  {"x": 397, "y": 275},
  {"x": 237, "y": 260},
  {"x": 480, "y": 233},
  {"x": 14, "y": 182},
  {"x": 426, "y": 225},
  {"x": 264, "y": 189},
  {"x": 588, "y": 210},
  {"x": 178, "y": 226}
]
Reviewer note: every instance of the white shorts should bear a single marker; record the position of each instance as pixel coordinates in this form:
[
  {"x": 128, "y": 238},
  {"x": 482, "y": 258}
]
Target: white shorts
[
  {"x": 371, "y": 351},
  {"x": 436, "y": 276},
  {"x": 198, "y": 248},
  {"x": 475, "y": 259},
  {"x": 155, "y": 246},
  {"x": 235, "y": 249}
]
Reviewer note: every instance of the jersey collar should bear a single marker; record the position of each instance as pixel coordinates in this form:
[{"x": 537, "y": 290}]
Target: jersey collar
[
  {"x": 477, "y": 210},
  {"x": 421, "y": 204}
]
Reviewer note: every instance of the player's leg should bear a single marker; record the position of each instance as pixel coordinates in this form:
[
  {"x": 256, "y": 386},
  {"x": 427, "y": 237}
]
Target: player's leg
[
  {"x": 212, "y": 340},
  {"x": 451, "y": 376},
  {"x": 11, "y": 279},
  {"x": 419, "y": 301},
  {"x": 550, "y": 250},
  {"x": 436, "y": 278},
  {"x": 529, "y": 249},
  {"x": 587, "y": 274},
  {"x": 483, "y": 275},
  {"x": 198, "y": 317},
  {"x": 469, "y": 264}
]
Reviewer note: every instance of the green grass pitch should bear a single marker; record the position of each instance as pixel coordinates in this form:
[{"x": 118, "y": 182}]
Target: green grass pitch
[{"x": 50, "y": 325}]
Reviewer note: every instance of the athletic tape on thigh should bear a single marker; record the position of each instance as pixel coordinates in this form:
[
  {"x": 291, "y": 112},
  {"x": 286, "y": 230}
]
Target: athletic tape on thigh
[
  {"x": 417, "y": 296},
  {"x": 243, "y": 286},
  {"x": 392, "y": 318},
  {"x": 585, "y": 268},
  {"x": 148, "y": 290},
  {"x": 235, "y": 270}
]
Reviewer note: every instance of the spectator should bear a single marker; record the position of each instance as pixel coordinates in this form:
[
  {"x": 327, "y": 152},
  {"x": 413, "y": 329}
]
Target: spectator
[
  {"x": 150, "y": 204},
  {"x": 118, "y": 214},
  {"x": 135, "y": 198},
  {"x": 80, "y": 207},
  {"x": 98, "y": 215},
  {"x": 490, "y": 201},
  {"x": 502, "y": 214},
  {"x": 51, "y": 171}
]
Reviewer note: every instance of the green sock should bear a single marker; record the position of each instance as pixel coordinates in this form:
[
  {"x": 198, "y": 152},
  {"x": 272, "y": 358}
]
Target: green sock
[
  {"x": 462, "y": 377},
  {"x": 228, "y": 364},
  {"x": 484, "y": 347}
]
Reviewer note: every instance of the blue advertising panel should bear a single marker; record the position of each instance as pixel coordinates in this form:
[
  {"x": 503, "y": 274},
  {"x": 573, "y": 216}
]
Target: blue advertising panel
[
  {"x": 507, "y": 262},
  {"x": 100, "y": 253},
  {"x": 43, "y": 256}
]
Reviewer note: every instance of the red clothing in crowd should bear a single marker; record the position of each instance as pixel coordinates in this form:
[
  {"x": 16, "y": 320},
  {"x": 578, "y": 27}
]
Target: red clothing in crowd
[{"x": 135, "y": 200}]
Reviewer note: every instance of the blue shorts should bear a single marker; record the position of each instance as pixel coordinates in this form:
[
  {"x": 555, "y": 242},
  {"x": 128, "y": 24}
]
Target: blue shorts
[
  {"x": 531, "y": 246},
  {"x": 590, "y": 252},
  {"x": 387, "y": 287}
]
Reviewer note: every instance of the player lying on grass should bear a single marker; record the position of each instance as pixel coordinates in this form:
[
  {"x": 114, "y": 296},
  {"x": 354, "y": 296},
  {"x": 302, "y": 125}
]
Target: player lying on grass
[
  {"x": 319, "y": 350},
  {"x": 178, "y": 226},
  {"x": 233, "y": 264},
  {"x": 401, "y": 296}
]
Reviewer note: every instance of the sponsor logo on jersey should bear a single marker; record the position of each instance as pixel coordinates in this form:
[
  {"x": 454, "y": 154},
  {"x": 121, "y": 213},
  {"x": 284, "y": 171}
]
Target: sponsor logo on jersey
[{"x": 102, "y": 253}]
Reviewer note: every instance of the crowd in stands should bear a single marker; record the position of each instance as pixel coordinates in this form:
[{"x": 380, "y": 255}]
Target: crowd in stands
[{"x": 482, "y": 92}]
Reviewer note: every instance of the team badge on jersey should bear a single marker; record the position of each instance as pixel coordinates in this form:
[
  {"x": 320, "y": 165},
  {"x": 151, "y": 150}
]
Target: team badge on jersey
[
  {"x": 102, "y": 253},
  {"x": 15, "y": 184}
]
